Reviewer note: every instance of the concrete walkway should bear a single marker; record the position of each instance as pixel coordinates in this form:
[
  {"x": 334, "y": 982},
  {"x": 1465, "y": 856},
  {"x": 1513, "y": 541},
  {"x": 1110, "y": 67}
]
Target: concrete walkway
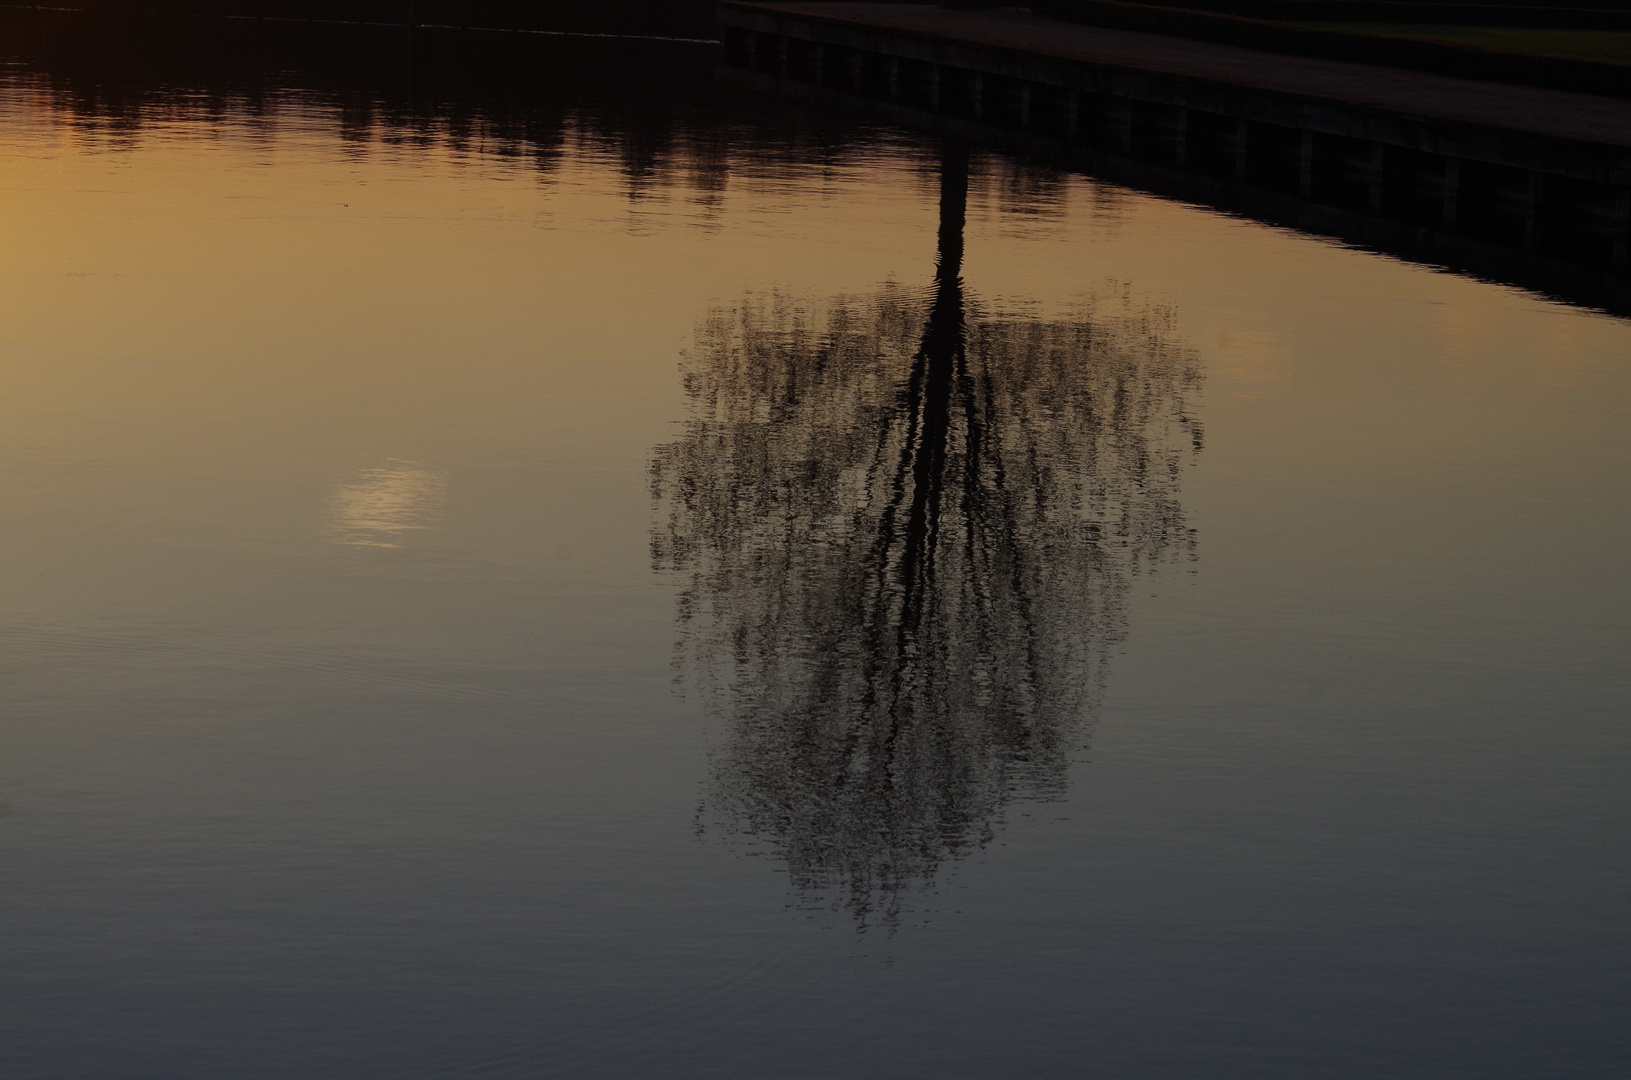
[{"x": 1555, "y": 113}]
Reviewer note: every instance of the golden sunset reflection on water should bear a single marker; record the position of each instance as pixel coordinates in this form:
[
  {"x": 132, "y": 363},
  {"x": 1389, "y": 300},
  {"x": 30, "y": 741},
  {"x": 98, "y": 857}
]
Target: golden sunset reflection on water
[{"x": 436, "y": 563}]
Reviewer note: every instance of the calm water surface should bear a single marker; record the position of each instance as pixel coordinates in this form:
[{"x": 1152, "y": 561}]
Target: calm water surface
[{"x": 511, "y": 573}]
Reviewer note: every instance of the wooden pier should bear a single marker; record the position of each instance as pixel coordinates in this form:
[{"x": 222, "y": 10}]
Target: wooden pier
[{"x": 1521, "y": 184}]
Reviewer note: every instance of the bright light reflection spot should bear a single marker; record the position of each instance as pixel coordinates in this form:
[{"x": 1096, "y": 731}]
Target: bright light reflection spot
[{"x": 378, "y": 507}]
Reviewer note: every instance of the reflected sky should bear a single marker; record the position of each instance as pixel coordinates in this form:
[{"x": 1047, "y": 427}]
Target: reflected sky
[
  {"x": 1341, "y": 796},
  {"x": 382, "y": 505}
]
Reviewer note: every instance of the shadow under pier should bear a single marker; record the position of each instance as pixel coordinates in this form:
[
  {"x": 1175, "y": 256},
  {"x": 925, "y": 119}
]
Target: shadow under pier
[{"x": 1542, "y": 210}]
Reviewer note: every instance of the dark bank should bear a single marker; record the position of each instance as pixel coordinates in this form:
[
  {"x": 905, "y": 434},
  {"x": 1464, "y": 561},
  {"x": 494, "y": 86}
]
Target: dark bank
[
  {"x": 1497, "y": 182},
  {"x": 1482, "y": 178}
]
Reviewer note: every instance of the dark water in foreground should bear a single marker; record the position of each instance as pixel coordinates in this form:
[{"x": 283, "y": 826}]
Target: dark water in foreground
[{"x": 519, "y": 563}]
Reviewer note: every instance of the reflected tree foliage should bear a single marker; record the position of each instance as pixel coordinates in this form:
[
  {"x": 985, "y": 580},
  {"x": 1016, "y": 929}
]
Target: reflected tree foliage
[
  {"x": 905, "y": 529},
  {"x": 646, "y": 109}
]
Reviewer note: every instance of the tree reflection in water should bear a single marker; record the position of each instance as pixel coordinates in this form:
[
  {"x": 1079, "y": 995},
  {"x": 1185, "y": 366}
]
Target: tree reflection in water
[{"x": 906, "y": 543}]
